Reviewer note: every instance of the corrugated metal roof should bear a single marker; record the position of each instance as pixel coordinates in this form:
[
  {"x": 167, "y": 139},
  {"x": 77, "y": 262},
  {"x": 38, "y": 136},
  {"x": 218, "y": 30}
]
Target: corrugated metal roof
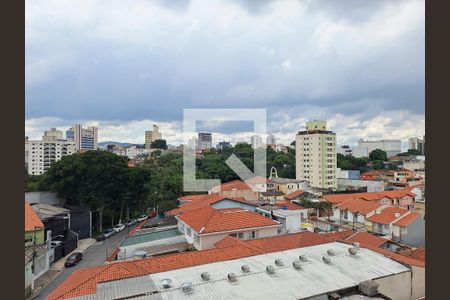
[{"x": 315, "y": 277}]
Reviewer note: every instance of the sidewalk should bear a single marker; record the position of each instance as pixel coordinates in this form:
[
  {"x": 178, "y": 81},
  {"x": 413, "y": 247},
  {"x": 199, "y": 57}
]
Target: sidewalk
[{"x": 54, "y": 270}]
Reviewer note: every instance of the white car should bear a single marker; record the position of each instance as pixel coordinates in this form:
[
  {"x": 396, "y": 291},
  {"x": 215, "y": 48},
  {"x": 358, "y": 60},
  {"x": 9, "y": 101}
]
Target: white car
[
  {"x": 119, "y": 227},
  {"x": 142, "y": 218}
]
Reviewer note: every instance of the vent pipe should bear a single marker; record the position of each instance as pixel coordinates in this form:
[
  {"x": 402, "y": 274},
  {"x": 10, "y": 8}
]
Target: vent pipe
[
  {"x": 186, "y": 287},
  {"x": 279, "y": 262},
  {"x": 353, "y": 250},
  {"x": 232, "y": 277},
  {"x": 303, "y": 258},
  {"x": 245, "y": 268},
  {"x": 297, "y": 264},
  {"x": 205, "y": 276},
  {"x": 355, "y": 244},
  {"x": 326, "y": 259},
  {"x": 270, "y": 269},
  {"x": 166, "y": 283},
  {"x": 331, "y": 252}
]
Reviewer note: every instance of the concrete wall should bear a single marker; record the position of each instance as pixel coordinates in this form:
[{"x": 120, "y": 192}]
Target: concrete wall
[
  {"x": 371, "y": 185},
  {"x": 398, "y": 286},
  {"x": 43, "y": 197},
  {"x": 128, "y": 251},
  {"x": 207, "y": 241},
  {"x": 415, "y": 233},
  {"x": 418, "y": 282},
  {"x": 39, "y": 235}
]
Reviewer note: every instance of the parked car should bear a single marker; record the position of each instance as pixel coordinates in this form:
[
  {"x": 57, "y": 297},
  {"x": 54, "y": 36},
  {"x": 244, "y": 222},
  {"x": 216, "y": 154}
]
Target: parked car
[
  {"x": 119, "y": 227},
  {"x": 73, "y": 259},
  {"x": 131, "y": 222},
  {"x": 106, "y": 234},
  {"x": 142, "y": 218},
  {"x": 101, "y": 237}
]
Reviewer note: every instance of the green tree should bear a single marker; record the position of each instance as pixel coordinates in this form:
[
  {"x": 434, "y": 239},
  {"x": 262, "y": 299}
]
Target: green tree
[
  {"x": 159, "y": 144},
  {"x": 378, "y": 154},
  {"x": 413, "y": 152}
]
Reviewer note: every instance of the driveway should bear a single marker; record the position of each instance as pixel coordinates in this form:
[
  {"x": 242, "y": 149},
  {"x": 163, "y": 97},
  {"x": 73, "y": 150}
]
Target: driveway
[{"x": 95, "y": 255}]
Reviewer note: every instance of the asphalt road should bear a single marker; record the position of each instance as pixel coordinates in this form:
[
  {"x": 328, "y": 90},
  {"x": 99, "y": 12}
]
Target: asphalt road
[{"x": 95, "y": 255}]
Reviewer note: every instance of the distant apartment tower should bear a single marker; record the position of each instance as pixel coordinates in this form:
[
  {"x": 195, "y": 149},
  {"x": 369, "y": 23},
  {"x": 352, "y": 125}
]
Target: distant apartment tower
[
  {"x": 204, "y": 141},
  {"x": 84, "y": 138},
  {"x": 417, "y": 144},
  {"x": 39, "y": 155},
  {"x": 151, "y": 136},
  {"x": 223, "y": 145},
  {"x": 391, "y": 147},
  {"x": 344, "y": 150},
  {"x": 271, "y": 140},
  {"x": 315, "y": 155},
  {"x": 256, "y": 141}
]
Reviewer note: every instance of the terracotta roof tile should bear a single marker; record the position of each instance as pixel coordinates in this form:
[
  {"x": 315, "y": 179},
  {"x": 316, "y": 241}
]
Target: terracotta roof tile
[
  {"x": 32, "y": 221},
  {"x": 290, "y": 205},
  {"x": 208, "y": 220},
  {"x": 408, "y": 219},
  {"x": 294, "y": 194},
  {"x": 366, "y": 239},
  {"x": 371, "y": 196},
  {"x": 387, "y": 215},
  {"x": 359, "y": 206},
  {"x": 200, "y": 202},
  {"x": 233, "y": 185}
]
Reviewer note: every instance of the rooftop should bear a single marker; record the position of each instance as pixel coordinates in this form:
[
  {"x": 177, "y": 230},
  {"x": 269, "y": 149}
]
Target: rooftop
[
  {"x": 359, "y": 206},
  {"x": 47, "y": 211},
  {"x": 294, "y": 195},
  {"x": 370, "y": 196},
  {"x": 232, "y": 185},
  {"x": 388, "y": 215},
  {"x": 209, "y": 220},
  {"x": 32, "y": 221},
  {"x": 200, "y": 201},
  {"x": 316, "y": 276},
  {"x": 408, "y": 219}
]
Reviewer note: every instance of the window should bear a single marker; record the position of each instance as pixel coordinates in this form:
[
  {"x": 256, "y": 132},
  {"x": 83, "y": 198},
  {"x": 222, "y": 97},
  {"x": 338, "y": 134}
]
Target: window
[
  {"x": 196, "y": 238},
  {"x": 188, "y": 231},
  {"x": 253, "y": 234},
  {"x": 28, "y": 239},
  {"x": 240, "y": 235}
]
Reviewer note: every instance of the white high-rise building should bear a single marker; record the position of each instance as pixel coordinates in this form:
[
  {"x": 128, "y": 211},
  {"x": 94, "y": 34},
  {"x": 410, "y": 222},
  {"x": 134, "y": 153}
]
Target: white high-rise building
[
  {"x": 151, "y": 136},
  {"x": 417, "y": 144},
  {"x": 256, "y": 141},
  {"x": 84, "y": 138},
  {"x": 315, "y": 155},
  {"x": 271, "y": 140},
  {"x": 39, "y": 155},
  {"x": 204, "y": 141},
  {"x": 391, "y": 147}
]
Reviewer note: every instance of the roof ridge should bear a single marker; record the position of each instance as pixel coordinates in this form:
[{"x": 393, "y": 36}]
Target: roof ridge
[{"x": 106, "y": 267}]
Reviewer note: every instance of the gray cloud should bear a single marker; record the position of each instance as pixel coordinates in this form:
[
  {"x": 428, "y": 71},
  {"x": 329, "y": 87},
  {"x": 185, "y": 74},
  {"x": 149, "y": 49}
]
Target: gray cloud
[{"x": 147, "y": 60}]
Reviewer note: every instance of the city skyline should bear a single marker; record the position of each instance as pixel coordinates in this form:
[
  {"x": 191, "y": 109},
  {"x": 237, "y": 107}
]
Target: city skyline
[{"x": 360, "y": 68}]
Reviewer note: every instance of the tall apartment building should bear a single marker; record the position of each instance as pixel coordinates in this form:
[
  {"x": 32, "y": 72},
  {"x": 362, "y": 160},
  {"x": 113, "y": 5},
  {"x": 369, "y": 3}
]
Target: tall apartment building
[
  {"x": 204, "y": 141},
  {"x": 417, "y": 144},
  {"x": 84, "y": 138},
  {"x": 391, "y": 147},
  {"x": 256, "y": 141},
  {"x": 39, "y": 155},
  {"x": 271, "y": 140},
  {"x": 151, "y": 136},
  {"x": 344, "y": 150},
  {"x": 223, "y": 145},
  {"x": 315, "y": 155}
]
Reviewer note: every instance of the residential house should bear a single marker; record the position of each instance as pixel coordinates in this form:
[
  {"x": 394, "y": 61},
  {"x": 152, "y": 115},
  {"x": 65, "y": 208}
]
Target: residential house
[
  {"x": 36, "y": 250},
  {"x": 354, "y": 212},
  {"x": 236, "y": 189},
  {"x": 271, "y": 196},
  {"x": 399, "y": 225},
  {"x": 289, "y": 215},
  {"x": 288, "y": 185},
  {"x": 403, "y": 198},
  {"x": 206, "y": 226}
]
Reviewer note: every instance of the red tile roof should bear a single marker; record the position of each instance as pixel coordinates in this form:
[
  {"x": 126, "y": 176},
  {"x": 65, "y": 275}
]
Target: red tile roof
[
  {"x": 418, "y": 254},
  {"x": 387, "y": 215},
  {"x": 294, "y": 195},
  {"x": 208, "y": 220},
  {"x": 258, "y": 180},
  {"x": 372, "y": 196},
  {"x": 32, "y": 221},
  {"x": 366, "y": 239},
  {"x": 359, "y": 206},
  {"x": 290, "y": 205},
  {"x": 408, "y": 219},
  {"x": 200, "y": 201},
  {"x": 233, "y": 185}
]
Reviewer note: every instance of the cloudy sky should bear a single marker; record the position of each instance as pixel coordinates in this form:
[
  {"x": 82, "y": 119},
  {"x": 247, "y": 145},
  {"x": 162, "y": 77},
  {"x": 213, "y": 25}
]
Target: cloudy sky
[{"x": 126, "y": 65}]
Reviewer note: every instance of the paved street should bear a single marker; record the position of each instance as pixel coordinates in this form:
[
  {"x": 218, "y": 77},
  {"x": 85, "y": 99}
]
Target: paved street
[{"x": 93, "y": 256}]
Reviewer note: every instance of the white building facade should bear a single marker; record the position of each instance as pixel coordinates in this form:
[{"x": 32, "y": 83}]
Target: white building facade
[
  {"x": 39, "y": 155},
  {"x": 391, "y": 147}
]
